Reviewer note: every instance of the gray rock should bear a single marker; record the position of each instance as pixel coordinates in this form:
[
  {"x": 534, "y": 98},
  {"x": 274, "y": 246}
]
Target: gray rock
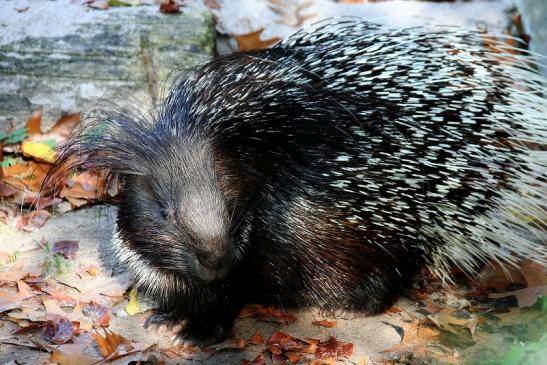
[
  {"x": 66, "y": 66},
  {"x": 534, "y": 18}
]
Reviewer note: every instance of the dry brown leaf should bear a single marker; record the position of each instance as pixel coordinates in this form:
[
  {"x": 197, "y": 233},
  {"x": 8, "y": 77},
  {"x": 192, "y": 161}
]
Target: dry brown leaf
[
  {"x": 333, "y": 349},
  {"x": 493, "y": 276},
  {"x": 256, "y": 339},
  {"x": 72, "y": 354},
  {"x": 32, "y": 221},
  {"x": 534, "y": 273},
  {"x": 58, "y": 296},
  {"x": 169, "y": 6},
  {"x": 114, "y": 346},
  {"x": 65, "y": 125},
  {"x": 54, "y": 310},
  {"x": 324, "y": 323},
  {"x": 6, "y": 190},
  {"x": 267, "y": 314},
  {"x": 18, "y": 271},
  {"x": 66, "y": 248},
  {"x": 97, "y": 313},
  {"x": 60, "y": 330},
  {"x": 28, "y": 176},
  {"x": 109, "y": 343},
  {"x": 526, "y": 297},
  {"x": 250, "y": 41},
  {"x": 34, "y": 123},
  {"x": 416, "y": 337},
  {"x": 10, "y": 301},
  {"x": 446, "y": 318},
  {"x": 102, "y": 289},
  {"x": 29, "y": 312},
  {"x": 258, "y": 360}
]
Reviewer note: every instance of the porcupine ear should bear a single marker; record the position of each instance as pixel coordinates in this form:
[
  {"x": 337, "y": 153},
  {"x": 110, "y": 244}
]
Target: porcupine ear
[{"x": 115, "y": 137}]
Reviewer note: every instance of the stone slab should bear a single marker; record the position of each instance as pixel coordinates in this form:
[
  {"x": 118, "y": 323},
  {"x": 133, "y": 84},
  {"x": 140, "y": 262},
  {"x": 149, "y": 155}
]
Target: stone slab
[
  {"x": 534, "y": 18},
  {"x": 67, "y": 65}
]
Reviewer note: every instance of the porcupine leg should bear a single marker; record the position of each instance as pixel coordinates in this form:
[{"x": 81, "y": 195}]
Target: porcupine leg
[{"x": 201, "y": 325}]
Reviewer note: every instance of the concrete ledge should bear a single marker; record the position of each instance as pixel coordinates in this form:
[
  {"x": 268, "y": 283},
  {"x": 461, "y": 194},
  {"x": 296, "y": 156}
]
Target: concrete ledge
[{"x": 82, "y": 55}]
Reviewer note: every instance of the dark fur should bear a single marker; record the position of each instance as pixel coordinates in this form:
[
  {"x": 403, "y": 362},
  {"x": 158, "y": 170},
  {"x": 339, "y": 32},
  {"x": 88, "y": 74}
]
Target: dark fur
[{"x": 236, "y": 170}]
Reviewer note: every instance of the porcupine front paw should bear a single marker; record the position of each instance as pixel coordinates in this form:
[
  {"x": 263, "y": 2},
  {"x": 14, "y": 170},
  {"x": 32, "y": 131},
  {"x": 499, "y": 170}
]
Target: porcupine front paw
[
  {"x": 162, "y": 322},
  {"x": 200, "y": 334},
  {"x": 184, "y": 332}
]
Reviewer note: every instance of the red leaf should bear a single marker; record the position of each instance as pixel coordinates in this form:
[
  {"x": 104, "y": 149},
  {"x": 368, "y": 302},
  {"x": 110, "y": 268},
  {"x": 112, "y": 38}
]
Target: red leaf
[
  {"x": 328, "y": 324},
  {"x": 169, "y": 6},
  {"x": 66, "y": 248},
  {"x": 61, "y": 330},
  {"x": 333, "y": 349}
]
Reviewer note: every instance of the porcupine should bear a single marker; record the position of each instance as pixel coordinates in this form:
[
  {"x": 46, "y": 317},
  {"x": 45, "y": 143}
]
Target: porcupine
[{"x": 325, "y": 171}]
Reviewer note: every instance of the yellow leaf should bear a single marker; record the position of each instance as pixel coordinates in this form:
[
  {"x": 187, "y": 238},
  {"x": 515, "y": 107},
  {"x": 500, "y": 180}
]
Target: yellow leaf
[
  {"x": 132, "y": 307},
  {"x": 38, "y": 150}
]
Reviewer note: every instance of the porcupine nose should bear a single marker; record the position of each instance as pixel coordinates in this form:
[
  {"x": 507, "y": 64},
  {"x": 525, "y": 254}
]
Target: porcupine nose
[
  {"x": 212, "y": 261},
  {"x": 213, "y": 266}
]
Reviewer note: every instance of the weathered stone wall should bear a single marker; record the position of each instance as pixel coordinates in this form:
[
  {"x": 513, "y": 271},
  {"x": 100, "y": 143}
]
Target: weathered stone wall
[{"x": 96, "y": 54}]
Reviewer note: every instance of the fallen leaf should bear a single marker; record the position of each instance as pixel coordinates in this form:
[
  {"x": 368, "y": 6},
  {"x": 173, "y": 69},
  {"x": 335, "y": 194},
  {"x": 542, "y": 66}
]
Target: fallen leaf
[
  {"x": 267, "y": 314},
  {"x": 72, "y": 354},
  {"x": 59, "y": 296},
  {"x": 333, "y": 349},
  {"x": 98, "y": 4},
  {"x": 534, "y": 273},
  {"x": 25, "y": 342},
  {"x": 494, "y": 276},
  {"x": 113, "y": 346},
  {"x": 54, "y": 310},
  {"x": 29, "y": 312},
  {"x": 169, "y": 6},
  {"x": 102, "y": 289},
  {"x": 256, "y": 339},
  {"x": 34, "y": 123},
  {"x": 250, "y": 41},
  {"x": 60, "y": 330},
  {"x": 416, "y": 337},
  {"x": 91, "y": 270},
  {"x": 212, "y": 4},
  {"x": 132, "y": 307},
  {"x": 39, "y": 151},
  {"x": 65, "y": 125},
  {"x": 327, "y": 324},
  {"x": 447, "y": 317},
  {"x": 10, "y": 301},
  {"x": 109, "y": 343},
  {"x": 7, "y": 190},
  {"x": 258, "y": 360},
  {"x": 99, "y": 315},
  {"x": 32, "y": 221},
  {"x": 66, "y": 248},
  {"x": 526, "y": 297},
  {"x": 280, "y": 343},
  {"x": 27, "y": 176}
]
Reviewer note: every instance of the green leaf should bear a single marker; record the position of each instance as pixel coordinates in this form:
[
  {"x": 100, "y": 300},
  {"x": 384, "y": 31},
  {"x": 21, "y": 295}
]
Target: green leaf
[
  {"x": 50, "y": 142},
  {"x": 2, "y": 136},
  {"x": 8, "y": 161},
  {"x": 15, "y": 136},
  {"x": 124, "y": 2},
  {"x": 514, "y": 356}
]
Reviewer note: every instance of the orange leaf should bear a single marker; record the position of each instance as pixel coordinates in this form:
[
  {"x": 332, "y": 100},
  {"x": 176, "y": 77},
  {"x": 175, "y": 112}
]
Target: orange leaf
[
  {"x": 108, "y": 344},
  {"x": 328, "y": 324},
  {"x": 250, "y": 41},
  {"x": 64, "y": 126},
  {"x": 34, "y": 123},
  {"x": 256, "y": 339},
  {"x": 10, "y": 301}
]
